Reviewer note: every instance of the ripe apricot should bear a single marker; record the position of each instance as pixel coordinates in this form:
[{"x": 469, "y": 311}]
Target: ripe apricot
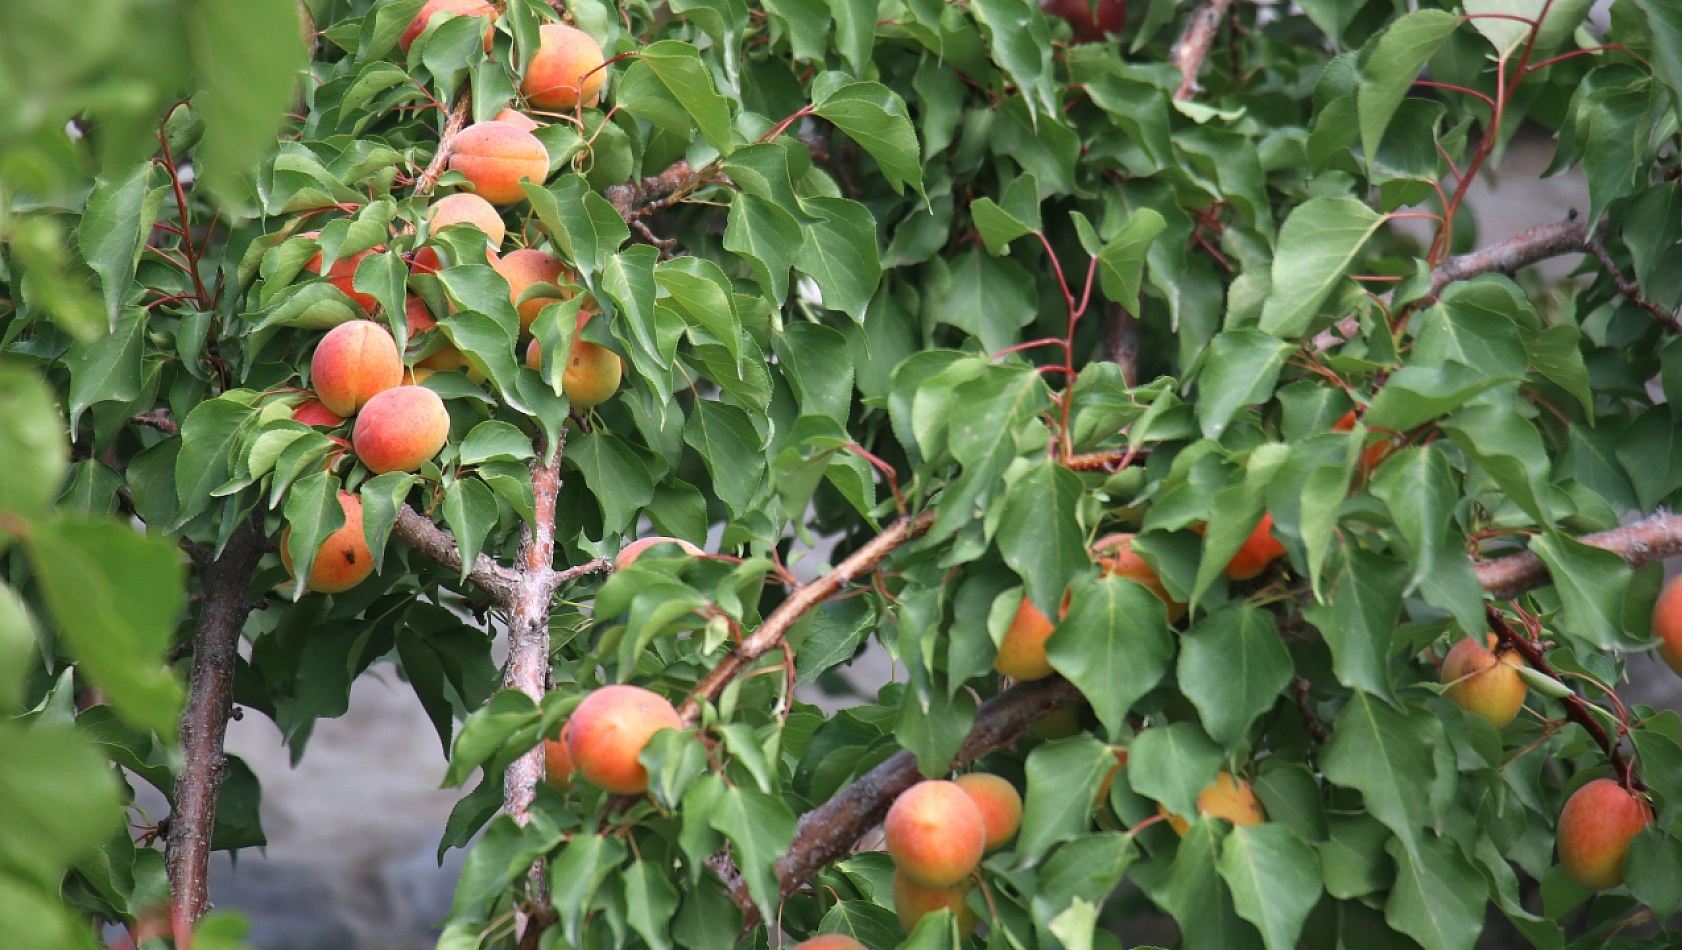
[
  {"x": 1259, "y": 550},
  {"x": 312, "y": 413},
  {"x": 1230, "y": 798},
  {"x": 343, "y": 274},
  {"x": 400, "y": 428},
  {"x": 999, "y": 802},
  {"x": 1022, "y": 651},
  {"x": 524, "y": 268},
  {"x": 830, "y": 942},
  {"x": 1122, "y": 561},
  {"x": 936, "y": 833},
  {"x": 1667, "y": 624},
  {"x": 344, "y": 560},
  {"x": 912, "y": 901},
  {"x": 466, "y": 208},
  {"x": 608, "y": 731},
  {"x": 557, "y": 765},
  {"x": 1595, "y": 829},
  {"x": 565, "y": 70},
  {"x": 418, "y": 25},
  {"x": 592, "y": 375},
  {"x": 1483, "y": 684},
  {"x": 354, "y": 362},
  {"x": 495, "y": 156},
  {"x": 629, "y": 553},
  {"x": 1372, "y": 455},
  {"x": 517, "y": 119}
]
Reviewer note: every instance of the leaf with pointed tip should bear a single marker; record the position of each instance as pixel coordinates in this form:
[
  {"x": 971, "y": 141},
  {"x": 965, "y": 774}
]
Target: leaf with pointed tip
[
  {"x": 1114, "y": 644},
  {"x": 1232, "y": 667},
  {"x": 1318, "y": 242},
  {"x": 1383, "y": 754},
  {"x": 759, "y": 828},
  {"x": 1274, "y": 878}
]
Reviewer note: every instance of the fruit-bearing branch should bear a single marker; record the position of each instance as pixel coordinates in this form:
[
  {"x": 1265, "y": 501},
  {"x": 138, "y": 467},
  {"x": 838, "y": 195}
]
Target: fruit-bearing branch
[{"x": 1193, "y": 47}]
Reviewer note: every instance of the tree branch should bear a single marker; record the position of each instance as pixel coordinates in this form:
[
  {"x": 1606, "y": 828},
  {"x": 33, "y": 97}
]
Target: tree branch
[
  {"x": 625, "y": 198},
  {"x": 770, "y": 634},
  {"x": 1630, "y": 289},
  {"x": 436, "y": 543},
  {"x": 158, "y": 419},
  {"x": 446, "y": 140},
  {"x": 1641, "y": 543},
  {"x": 1576, "y": 709},
  {"x": 1193, "y": 47},
  {"x": 1519, "y": 251},
  {"x": 1121, "y": 343},
  {"x": 528, "y": 623},
  {"x": 204, "y": 723}
]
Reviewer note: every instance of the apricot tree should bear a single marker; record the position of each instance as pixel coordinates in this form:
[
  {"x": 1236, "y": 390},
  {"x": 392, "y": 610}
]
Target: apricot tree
[{"x": 1227, "y": 539}]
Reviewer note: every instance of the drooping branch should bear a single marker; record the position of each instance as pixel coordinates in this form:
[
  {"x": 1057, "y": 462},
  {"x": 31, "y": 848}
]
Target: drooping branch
[
  {"x": 1519, "y": 251},
  {"x": 1576, "y": 709},
  {"x": 226, "y": 581},
  {"x": 1641, "y": 543},
  {"x": 434, "y": 542},
  {"x": 770, "y": 634},
  {"x": 1192, "y": 48}
]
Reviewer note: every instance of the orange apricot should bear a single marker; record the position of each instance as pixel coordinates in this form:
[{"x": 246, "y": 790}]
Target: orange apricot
[
  {"x": 466, "y": 208},
  {"x": 517, "y": 119},
  {"x": 912, "y": 901},
  {"x": 354, "y": 362},
  {"x": 629, "y": 553},
  {"x": 1230, "y": 798},
  {"x": 1022, "y": 651},
  {"x": 1667, "y": 624},
  {"x": 1595, "y": 829},
  {"x": 607, "y": 732},
  {"x": 495, "y": 156},
  {"x": 999, "y": 802},
  {"x": 557, "y": 765},
  {"x": 312, "y": 413},
  {"x": 344, "y": 560},
  {"x": 935, "y": 833},
  {"x": 1482, "y": 683},
  {"x": 830, "y": 942},
  {"x": 1259, "y": 550},
  {"x": 592, "y": 375},
  {"x": 1373, "y": 454},
  {"x": 418, "y": 25},
  {"x": 524, "y": 268},
  {"x": 400, "y": 428},
  {"x": 566, "y": 69},
  {"x": 343, "y": 274},
  {"x": 1123, "y": 561}
]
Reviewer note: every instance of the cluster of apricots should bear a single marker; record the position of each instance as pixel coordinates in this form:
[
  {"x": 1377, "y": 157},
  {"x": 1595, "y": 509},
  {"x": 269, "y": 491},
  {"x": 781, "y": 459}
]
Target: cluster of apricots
[
  {"x": 1022, "y": 653},
  {"x": 937, "y": 832}
]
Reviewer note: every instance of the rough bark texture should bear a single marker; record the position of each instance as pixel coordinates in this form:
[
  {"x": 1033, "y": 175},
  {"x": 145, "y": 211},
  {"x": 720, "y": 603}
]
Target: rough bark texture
[
  {"x": 627, "y": 197},
  {"x": 1641, "y": 543},
  {"x": 528, "y": 626},
  {"x": 446, "y": 138},
  {"x": 1193, "y": 47},
  {"x": 1121, "y": 342},
  {"x": 770, "y": 634},
  {"x": 437, "y": 544},
  {"x": 204, "y": 722}
]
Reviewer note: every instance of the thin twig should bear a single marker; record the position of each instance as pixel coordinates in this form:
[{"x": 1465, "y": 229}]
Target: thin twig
[
  {"x": 1193, "y": 47},
  {"x": 446, "y": 140},
  {"x": 158, "y": 419},
  {"x": 1630, "y": 289}
]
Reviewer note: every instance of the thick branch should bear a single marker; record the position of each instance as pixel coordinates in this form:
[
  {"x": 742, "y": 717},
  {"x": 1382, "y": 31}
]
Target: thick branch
[
  {"x": 1648, "y": 540},
  {"x": 436, "y": 543},
  {"x": 446, "y": 140},
  {"x": 1519, "y": 251},
  {"x": 1193, "y": 47},
  {"x": 528, "y": 624},
  {"x": 204, "y": 722},
  {"x": 1576, "y": 709},
  {"x": 770, "y": 634},
  {"x": 625, "y": 198}
]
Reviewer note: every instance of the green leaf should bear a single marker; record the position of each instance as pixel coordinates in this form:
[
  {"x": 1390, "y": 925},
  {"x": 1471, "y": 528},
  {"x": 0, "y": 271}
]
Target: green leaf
[
  {"x": 115, "y": 223},
  {"x": 1241, "y": 369},
  {"x": 246, "y": 55},
  {"x": 1040, "y": 534},
  {"x": 1653, "y": 870},
  {"x": 1232, "y": 667},
  {"x": 988, "y": 298},
  {"x": 1383, "y": 754},
  {"x": 838, "y": 251},
  {"x": 1438, "y": 898},
  {"x": 703, "y": 297},
  {"x": 470, "y": 511},
  {"x": 493, "y": 439},
  {"x": 998, "y": 227},
  {"x": 933, "y": 726},
  {"x": 486, "y": 730},
  {"x": 618, "y": 479},
  {"x": 1275, "y": 880},
  {"x": 1591, "y": 583},
  {"x": 1359, "y": 619},
  {"x": 876, "y": 118},
  {"x": 679, "y": 67},
  {"x": 1173, "y": 764},
  {"x": 1649, "y": 452},
  {"x": 1114, "y": 645},
  {"x": 1665, "y": 20},
  {"x": 574, "y": 877},
  {"x": 1087, "y": 868},
  {"x": 1509, "y": 448},
  {"x": 1122, "y": 261},
  {"x": 1393, "y": 67},
  {"x": 313, "y": 513},
  {"x": 60, "y": 800},
  {"x": 867, "y": 922},
  {"x": 1063, "y": 782},
  {"x": 1555, "y": 353},
  {"x": 1021, "y": 44},
  {"x": 382, "y": 497},
  {"x": 1421, "y": 488},
  {"x": 582, "y": 222},
  {"x": 1318, "y": 242},
  {"x": 1353, "y": 859},
  {"x": 1415, "y": 395},
  {"x": 32, "y": 439},
  {"x": 650, "y": 903},
  {"x": 1195, "y": 894},
  {"x": 730, "y": 447},
  {"x": 760, "y": 829},
  {"x": 768, "y": 237},
  {"x": 108, "y": 368},
  {"x": 115, "y": 596}
]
